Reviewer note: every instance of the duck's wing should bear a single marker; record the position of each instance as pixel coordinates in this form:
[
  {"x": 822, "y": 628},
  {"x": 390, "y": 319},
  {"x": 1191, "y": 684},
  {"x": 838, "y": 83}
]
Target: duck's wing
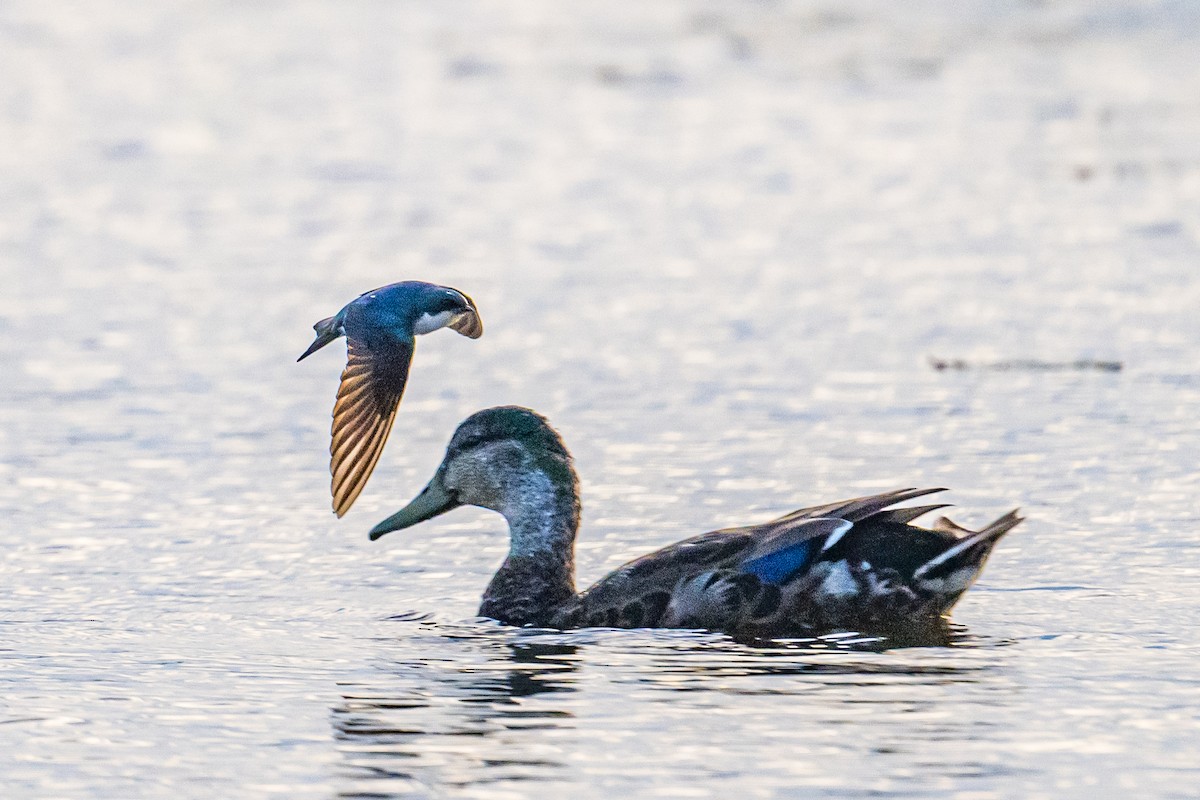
[
  {"x": 372, "y": 385},
  {"x": 876, "y": 573},
  {"x": 719, "y": 578},
  {"x": 677, "y": 586}
]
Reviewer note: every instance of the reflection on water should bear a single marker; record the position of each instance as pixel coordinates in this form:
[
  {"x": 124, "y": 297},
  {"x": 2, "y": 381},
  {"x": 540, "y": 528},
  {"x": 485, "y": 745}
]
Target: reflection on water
[
  {"x": 938, "y": 633},
  {"x": 457, "y": 721},
  {"x": 500, "y": 706}
]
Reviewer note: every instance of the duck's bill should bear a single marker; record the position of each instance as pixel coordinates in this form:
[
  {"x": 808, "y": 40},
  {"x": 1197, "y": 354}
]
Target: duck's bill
[{"x": 432, "y": 500}]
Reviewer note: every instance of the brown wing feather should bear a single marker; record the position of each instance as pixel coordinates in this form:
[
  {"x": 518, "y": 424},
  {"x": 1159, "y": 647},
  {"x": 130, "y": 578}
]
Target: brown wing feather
[{"x": 372, "y": 385}]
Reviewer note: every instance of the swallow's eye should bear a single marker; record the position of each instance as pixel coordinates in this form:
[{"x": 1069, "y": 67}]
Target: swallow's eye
[{"x": 447, "y": 303}]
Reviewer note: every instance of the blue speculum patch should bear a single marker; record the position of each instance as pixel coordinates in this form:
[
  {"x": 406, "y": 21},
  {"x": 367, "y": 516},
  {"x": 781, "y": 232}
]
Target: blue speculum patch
[{"x": 777, "y": 567}]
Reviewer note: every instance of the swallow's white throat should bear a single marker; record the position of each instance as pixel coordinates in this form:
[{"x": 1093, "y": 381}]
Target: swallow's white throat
[{"x": 428, "y": 323}]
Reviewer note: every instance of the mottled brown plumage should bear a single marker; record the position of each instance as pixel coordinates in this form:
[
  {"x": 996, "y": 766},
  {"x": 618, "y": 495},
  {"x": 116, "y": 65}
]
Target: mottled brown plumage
[
  {"x": 705, "y": 584},
  {"x": 852, "y": 565}
]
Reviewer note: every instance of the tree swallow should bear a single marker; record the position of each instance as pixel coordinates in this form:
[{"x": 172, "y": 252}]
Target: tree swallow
[{"x": 380, "y": 327}]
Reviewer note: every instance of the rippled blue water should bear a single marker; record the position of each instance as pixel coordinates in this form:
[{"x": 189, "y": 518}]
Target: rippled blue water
[{"x": 717, "y": 243}]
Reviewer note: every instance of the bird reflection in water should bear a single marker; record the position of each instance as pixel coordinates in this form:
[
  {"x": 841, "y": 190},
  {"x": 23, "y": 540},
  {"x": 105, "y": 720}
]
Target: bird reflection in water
[
  {"x": 487, "y": 705},
  {"x": 935, "y": 633},
  {"x": 424, "y": 724}
]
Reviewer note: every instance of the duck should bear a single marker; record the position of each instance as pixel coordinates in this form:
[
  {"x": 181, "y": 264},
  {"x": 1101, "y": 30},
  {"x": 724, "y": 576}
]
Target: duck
[
  {"x": 853, "y": 565},
  {"x": 380, "y": 327}
]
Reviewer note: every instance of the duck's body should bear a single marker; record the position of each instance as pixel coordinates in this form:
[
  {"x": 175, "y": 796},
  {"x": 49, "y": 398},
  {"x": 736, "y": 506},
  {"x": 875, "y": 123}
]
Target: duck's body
[
  {"x": 852, "y": 565},
  {"x": 380, "y": 327}
]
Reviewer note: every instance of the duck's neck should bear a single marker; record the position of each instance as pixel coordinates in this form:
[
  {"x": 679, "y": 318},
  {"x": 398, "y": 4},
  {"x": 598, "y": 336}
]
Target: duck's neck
[{"x": 538, "y": 575}]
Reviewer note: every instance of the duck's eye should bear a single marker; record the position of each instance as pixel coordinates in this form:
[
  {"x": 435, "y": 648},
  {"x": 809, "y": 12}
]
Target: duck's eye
[{"x": 472, "y": 441}]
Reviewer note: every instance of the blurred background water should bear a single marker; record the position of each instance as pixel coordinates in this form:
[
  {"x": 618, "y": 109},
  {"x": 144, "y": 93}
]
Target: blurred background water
[{"x": 717, "y": 242}]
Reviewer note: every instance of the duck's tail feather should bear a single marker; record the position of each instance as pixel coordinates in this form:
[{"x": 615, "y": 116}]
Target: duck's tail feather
[{"x": 952, "y": 571}]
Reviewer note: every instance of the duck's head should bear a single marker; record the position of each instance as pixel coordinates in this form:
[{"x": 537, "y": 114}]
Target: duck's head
[{"x": 506, "y": 459}]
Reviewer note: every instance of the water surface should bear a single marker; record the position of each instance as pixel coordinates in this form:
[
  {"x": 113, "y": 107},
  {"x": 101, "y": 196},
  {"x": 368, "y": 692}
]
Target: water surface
[{"x": 717, "y": 244}]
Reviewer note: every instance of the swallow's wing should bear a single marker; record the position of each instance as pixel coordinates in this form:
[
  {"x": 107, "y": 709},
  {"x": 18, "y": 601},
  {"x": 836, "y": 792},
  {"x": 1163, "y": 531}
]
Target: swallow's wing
[{"x": 372, "y": 385}]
